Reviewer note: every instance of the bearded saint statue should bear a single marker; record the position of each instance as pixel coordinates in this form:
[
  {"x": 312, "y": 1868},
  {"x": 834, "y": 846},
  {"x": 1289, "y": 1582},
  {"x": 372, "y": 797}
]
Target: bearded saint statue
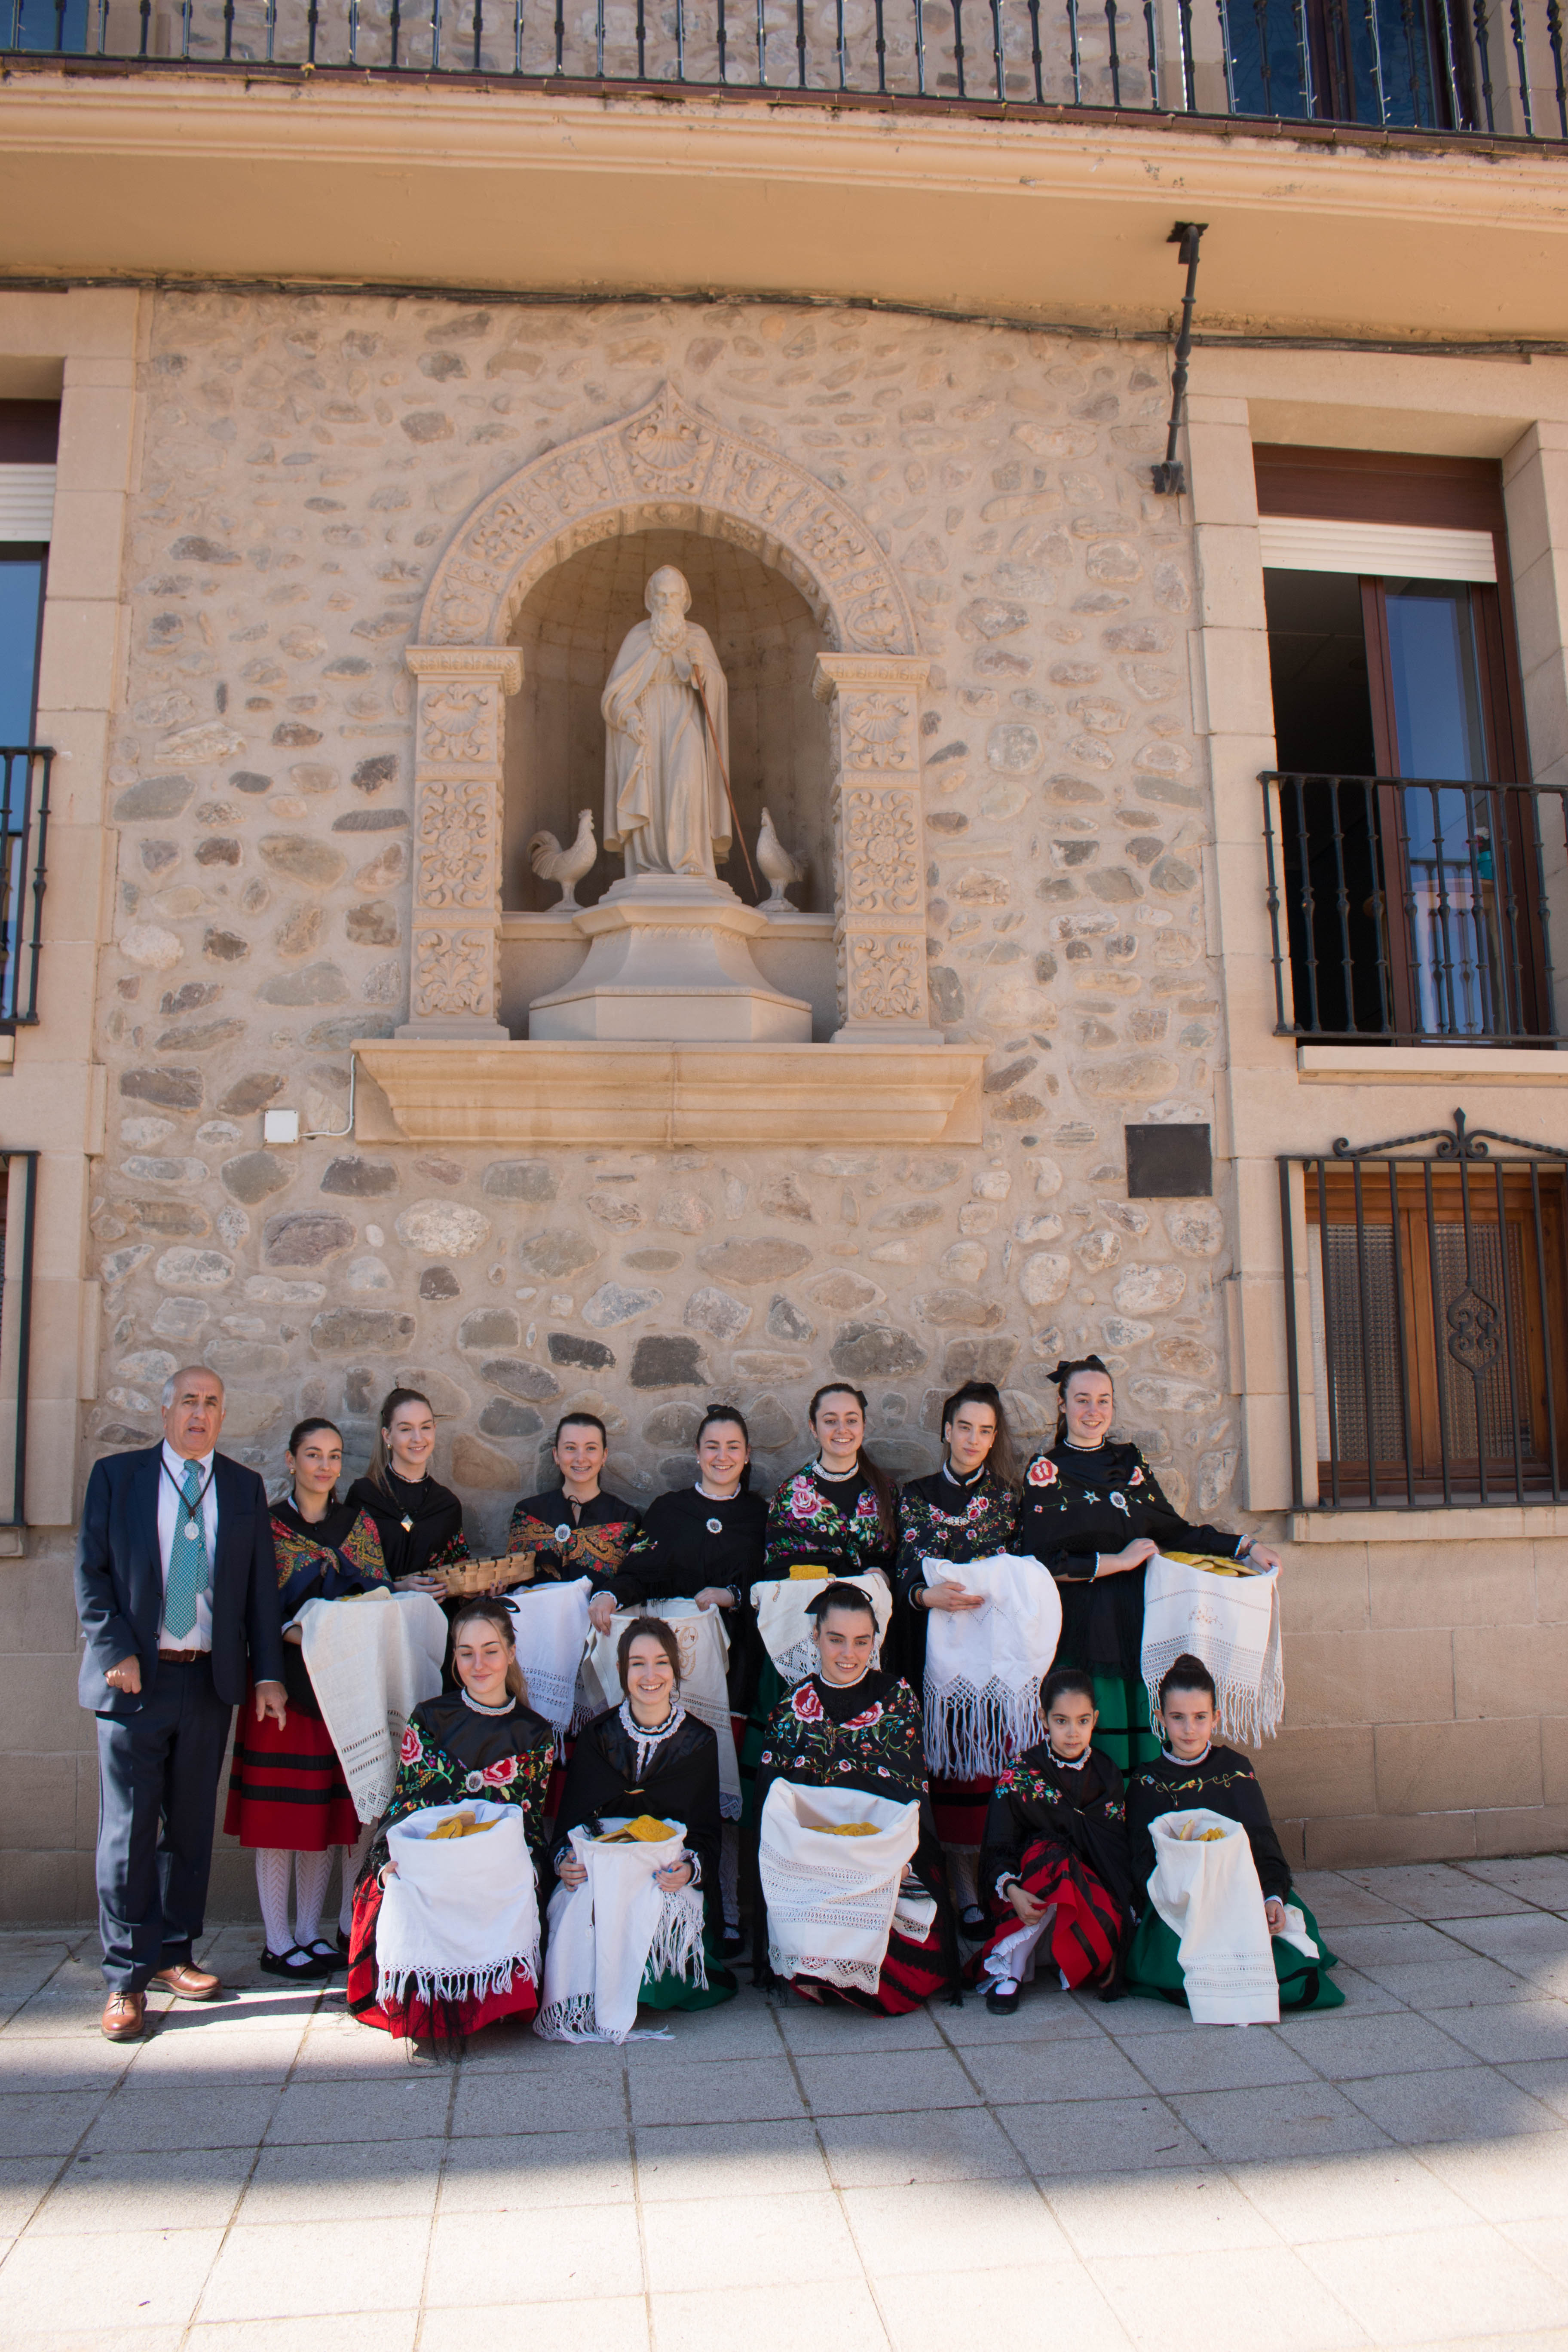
[{"x": 665, "y": 756}]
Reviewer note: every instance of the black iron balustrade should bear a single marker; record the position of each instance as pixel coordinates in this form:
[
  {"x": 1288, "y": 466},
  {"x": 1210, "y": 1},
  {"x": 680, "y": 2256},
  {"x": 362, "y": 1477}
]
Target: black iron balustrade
[
  {"x": 24, "y": 840},
  {"x": 1407, "y": 912},
  {"x": 1427, "y": 1322},
  {"x": 1429, "y": 66}
]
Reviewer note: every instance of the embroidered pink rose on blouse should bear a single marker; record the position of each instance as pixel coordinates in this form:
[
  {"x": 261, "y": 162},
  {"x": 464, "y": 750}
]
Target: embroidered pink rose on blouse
[
  {"x": 1137, "y": 1477},
  {"x": 502, "y": 1775},
  {"x": 805, "y": 1706},
  {"x": 412, "y": 1748},
  {"x": 864, "y": 1722},
  {"x": 1042, "y": 1472}
]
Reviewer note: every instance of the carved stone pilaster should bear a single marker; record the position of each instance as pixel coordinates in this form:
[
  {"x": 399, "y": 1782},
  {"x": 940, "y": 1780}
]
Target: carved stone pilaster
[
  {"x": 460, "y": 733},
  {"x": 878, "y": 832}
]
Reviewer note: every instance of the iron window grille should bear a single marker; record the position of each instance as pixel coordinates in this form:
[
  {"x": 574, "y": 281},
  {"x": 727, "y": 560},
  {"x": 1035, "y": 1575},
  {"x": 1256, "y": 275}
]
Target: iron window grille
[
  {"x": 1428, "y": 65},
  {"x": 1426, "y": 1320},
  {"x": 24, "y": 841},
  {"x": 1408, "y": 912}
]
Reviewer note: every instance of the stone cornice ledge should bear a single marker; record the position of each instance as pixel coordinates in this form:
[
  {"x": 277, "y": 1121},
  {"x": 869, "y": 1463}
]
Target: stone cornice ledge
[{"x": 538, "y": 1092}]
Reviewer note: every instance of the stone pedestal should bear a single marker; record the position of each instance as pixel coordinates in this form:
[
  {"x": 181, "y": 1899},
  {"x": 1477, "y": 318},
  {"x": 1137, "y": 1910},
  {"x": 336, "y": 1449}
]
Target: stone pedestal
[{"x": 669, "y": 960}]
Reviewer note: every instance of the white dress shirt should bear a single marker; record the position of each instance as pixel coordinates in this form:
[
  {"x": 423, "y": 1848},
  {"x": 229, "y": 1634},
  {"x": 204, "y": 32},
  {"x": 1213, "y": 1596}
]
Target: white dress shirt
[{"x": 172, "y": 1515}]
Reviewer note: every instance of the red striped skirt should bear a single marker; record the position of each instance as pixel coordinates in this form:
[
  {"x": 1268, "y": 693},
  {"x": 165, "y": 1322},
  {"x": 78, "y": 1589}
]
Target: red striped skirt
[
  {"x": 960, "y": 1809},
  {"x": 910, "y": 1974},
  {"x": 415, "y": 2020},
  {"x": 1083, "y": 1937},
  {"x": 286, "y": 1786}
]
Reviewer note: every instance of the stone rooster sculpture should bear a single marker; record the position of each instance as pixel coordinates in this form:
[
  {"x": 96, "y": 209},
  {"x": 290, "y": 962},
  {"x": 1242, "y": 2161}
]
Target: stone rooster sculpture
[
  {"x": 567, "y": 867},
  {"x": 779, "y": 866}
]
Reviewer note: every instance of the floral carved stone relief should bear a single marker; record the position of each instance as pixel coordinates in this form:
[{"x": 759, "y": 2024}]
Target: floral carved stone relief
[
  {"x": 457, "y": 837},
  {"x": 879, "y": 842}
]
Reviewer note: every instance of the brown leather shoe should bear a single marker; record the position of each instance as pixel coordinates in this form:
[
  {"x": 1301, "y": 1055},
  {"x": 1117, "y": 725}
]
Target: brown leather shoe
[
  {"x": 187, "y": 1983},
  {"x": 124, "y": 2016}
]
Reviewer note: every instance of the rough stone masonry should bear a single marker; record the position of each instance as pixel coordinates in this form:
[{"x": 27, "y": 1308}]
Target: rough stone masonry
[{"x": 304, "y": 462}]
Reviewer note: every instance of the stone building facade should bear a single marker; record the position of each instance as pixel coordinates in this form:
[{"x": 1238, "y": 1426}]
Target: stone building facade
[{"x": 332, "y": 575}]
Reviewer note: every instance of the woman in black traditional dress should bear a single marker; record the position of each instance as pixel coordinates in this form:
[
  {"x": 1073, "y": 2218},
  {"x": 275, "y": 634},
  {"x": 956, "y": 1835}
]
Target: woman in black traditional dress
[
  {"x": 966, "y": 1510},
  {"x": 648, "y": 1756},
  {"x": 481, "y": 1739},
  {"x": 288, "y": 1797},
  {"x": 418, "y": 1521},
  {"x": 1055, "y": 1867},
  {"x": 1093, "y": 1512},
  {"x": 840, "y": 1510},
  {"x": 705, "y": 1542},
  {"x": 850, "y": 1725},
  {"x": 577, "y": 1529}
]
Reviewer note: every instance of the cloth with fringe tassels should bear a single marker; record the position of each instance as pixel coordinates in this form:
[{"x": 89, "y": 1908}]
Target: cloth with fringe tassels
[
  {"x": 832, "y": 1901},
  {"x": 1232, "y": 1622},
  {"x": 551, "y": 1622},
  {"x": 371, "y": 1659},
  {"x": 615, "y": 1930},
  {"x": 983, "y": 1665},
  {"x": 787, "y": 1630},
  {"x": 702, "y": 1639},
  {"x": 1205, "y": 1887},
  {"x": 459, "y": 1916}
]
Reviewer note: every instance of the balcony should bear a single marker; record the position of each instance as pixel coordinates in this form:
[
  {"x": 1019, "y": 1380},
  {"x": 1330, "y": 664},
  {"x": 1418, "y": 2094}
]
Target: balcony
[
  {"x": 1414, "y": 913},
  {"x": 24, "y": 836},
  {"x": 1446, "y": 67}
]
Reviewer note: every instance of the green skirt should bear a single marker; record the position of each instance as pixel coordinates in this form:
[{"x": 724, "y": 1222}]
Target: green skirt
[
  {"x": 670, "y": 1991},
  {"x": 1153, "y": 1969},
  {"x": 1123, "y": 1732}
]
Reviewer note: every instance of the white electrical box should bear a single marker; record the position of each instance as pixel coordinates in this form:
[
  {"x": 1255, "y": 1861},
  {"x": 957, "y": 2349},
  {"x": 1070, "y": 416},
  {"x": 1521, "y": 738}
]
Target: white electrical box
[{"x": 280, "y": 1126}]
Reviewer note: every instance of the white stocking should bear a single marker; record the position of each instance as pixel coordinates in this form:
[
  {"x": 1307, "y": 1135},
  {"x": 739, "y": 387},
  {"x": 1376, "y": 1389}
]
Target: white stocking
[
  {"x": 272, "y": 1890},
  {"x": 312, "y": 1872}
]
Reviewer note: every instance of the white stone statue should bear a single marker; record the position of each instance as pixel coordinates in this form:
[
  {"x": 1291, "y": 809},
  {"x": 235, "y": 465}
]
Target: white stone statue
[{"x": 666, "y": 806}]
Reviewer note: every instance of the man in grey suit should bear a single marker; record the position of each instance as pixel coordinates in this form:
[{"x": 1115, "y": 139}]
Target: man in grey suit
[{"x": 176, "y": 1587}]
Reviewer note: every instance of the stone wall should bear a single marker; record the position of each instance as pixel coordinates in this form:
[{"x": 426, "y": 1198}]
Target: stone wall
[{"x": 304, "y": 463}]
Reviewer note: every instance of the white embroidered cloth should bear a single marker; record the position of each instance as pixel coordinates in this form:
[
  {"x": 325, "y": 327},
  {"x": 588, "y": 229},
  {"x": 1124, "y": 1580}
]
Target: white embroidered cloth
[
  {"x": 1208, "y": 1895},
  {"x": 704, "y": 1640},
  {"x": 371, "y": 1659},
  {"x": 552, "y": 1622},
  {"x": 831, "y": 1900},
  {"x": 460, "y": 1917},
  {"x": 608, "y": 1933},
  {"x": 787, "y": 1630},
  {"x": 983, "y": 1665},
  {"x": 1232, "y": 1624}
]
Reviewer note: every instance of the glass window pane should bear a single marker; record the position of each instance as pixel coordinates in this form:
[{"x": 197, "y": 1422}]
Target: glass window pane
[
  {"x": 21, "y": 592},
  {"x": 1437, "y": 683}
]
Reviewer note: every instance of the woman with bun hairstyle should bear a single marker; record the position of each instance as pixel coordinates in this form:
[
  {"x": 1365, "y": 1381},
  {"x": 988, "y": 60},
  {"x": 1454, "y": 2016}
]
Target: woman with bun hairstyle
[
  {"x": 966, "y": 1510},
  {"x": 1093, "y": 1513},
  {"x": 481, "y": 1739},
  {"x": 419, "y": 1521},
  {"x": 840, "y": 1510},
  {"x": 288, "y": 1797}
]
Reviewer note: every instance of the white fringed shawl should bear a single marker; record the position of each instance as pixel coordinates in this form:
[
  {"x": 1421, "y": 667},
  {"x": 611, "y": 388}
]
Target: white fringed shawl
[
  {"x": 787, "y": 1630},
  {"x": 609, "y": 1934},
  {"x": 704, "y": 1640},
  {"x": 371, "y": 1658},
  {"x": 1232, "y": 1624},
  {"x": 983, "y": 1665},
  {"x": 1209, "y": 1896},
  {"x": 552, "y": 1622},
  {"x": 831, "y": 1900},
  {"x": 460, "y": 1917}
]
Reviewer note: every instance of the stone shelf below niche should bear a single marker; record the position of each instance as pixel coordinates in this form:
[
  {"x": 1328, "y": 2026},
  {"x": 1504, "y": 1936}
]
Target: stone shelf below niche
[{"x": 457, "y": 1090}]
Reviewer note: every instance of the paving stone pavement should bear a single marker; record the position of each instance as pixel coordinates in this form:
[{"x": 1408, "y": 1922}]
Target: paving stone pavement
[{"x": 265, "y": 2173}]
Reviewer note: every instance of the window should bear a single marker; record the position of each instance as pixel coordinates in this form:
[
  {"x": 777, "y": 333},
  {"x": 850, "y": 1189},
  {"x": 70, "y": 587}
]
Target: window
[
  {"x": 1403, "y": 63},
  {"x": 1410, "y": 847},
  {"x": 29, "y": 431},
  {"x": 1436, "y": 1313}
]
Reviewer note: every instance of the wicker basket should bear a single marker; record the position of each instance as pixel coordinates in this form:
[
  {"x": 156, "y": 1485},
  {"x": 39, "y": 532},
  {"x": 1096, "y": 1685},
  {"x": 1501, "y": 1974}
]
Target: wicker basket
[{"x": 467, "y": 1577}]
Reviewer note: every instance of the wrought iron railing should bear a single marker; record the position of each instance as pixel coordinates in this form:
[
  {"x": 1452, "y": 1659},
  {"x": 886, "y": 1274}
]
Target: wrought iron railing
[
  {"x": 1411, "y": 913},
  {"x": 1426, "y": 1321},
  {"x": 1486, "y": 68},
  {"x": 23, "y": 839},
  {"x": 18, "y": 1216}
]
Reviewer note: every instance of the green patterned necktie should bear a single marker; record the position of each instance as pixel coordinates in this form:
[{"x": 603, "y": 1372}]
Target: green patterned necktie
[{"x": 188, "y": 1574}]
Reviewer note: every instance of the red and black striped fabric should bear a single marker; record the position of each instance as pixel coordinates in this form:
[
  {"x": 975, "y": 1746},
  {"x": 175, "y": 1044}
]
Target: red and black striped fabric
[
  {"x": 1083, "y": 1937},
  {"x": 911, "y": 1973},
  {"x": 960, "y": 1809},
  {"x": 416, "y": 2020},
  {"x": 286, "y": 1786}
]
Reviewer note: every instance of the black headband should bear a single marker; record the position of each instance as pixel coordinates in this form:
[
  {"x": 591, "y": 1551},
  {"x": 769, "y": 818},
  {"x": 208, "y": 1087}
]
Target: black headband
[{"x": 1064, "y": 1372}]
